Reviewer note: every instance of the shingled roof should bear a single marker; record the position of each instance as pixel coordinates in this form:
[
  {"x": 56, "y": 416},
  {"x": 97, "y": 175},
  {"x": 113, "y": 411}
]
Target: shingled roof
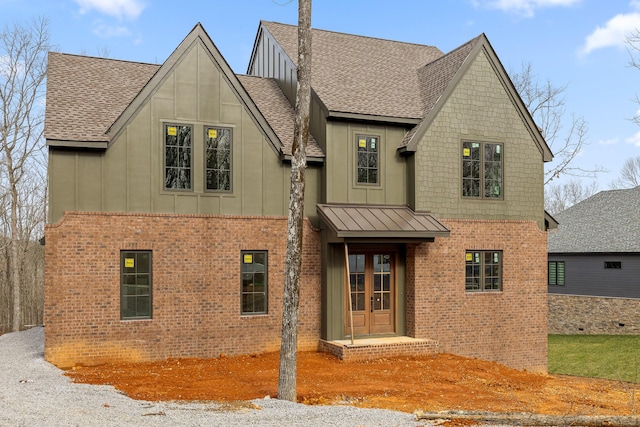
[
  {"x": 86, "y": 95},
  {"x": 362, "y": 75},
  {"x": 606, "y": 222}
]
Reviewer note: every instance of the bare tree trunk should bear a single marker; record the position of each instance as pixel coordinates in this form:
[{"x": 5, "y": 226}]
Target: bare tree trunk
[
  {"x": 14, "y": 274},
  {"x": 288, "y": 349}
]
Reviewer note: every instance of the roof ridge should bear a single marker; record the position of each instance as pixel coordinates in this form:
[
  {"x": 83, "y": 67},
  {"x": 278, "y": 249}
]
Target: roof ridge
[
  {"x": 357, "y": 35},
  {"x": 77, "y": 55},
  {"x": 451, "y": 52}
]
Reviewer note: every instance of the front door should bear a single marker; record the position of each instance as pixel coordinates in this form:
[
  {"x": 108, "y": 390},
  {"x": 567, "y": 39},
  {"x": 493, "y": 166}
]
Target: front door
[{"x": 372, "y": 293}]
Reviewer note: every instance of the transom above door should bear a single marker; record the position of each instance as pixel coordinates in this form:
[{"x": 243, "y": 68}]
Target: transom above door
[{"x": 371, "y": 293}]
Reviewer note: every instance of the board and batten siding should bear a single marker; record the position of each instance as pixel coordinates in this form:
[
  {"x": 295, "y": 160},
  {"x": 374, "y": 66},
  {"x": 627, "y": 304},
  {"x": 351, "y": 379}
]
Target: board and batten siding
[
  {"x": 585, "y": 275},
  {"x": 129, "y": 175}
]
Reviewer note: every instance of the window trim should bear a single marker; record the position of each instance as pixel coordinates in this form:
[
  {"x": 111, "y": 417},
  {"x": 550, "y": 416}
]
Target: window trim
[
  {"x": 266, "y": 282},
  {"x": 122, "y": 284},
  {"x": 482, "y": 178},
  {"x": 357, "y": 167},
  {"x": 613, "y": 265},
  {"x": 165, "y": 125},
  {"x": 482, "y": 270},
  {"x": 557, "y": 275},
  {"x": 204, "y": 148}
]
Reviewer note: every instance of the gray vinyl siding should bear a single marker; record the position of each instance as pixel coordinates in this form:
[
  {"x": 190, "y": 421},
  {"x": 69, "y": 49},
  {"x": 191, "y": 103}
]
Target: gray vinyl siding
[{"x": 585, "y": 275}]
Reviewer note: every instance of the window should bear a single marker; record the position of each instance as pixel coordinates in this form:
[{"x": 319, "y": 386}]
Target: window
[
  {"x": 177, "y": 157},
  {"x": 613, "y": 265},
  {"x": 483, "y": 271},
  {"x": 218, "y": 159},
  {"x": 368, "y": 147},
  {"x": 254, "y": 282},
  {"x": 482, "y": 170},
  {"x": 556, "y": 273},
  {"x": 135, "y": 284}
]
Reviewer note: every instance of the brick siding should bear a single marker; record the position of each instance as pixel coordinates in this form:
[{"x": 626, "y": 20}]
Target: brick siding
[
  {"x": 196, "y": 287},
  {"x": 510, "y": 326}
]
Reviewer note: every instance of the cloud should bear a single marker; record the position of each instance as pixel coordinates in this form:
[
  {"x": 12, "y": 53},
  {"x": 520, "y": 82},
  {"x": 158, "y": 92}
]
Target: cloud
[
  {"x": 108, "y": 31},
  {"x": 121, "y": 9},
  {"x": 635, "y": 139},
  {"x": 523, "y": 7},
  {"x": 614, "y": 33}
]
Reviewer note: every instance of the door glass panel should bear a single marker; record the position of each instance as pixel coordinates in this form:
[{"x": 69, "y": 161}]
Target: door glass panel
[{"x": 357, "y": 281}]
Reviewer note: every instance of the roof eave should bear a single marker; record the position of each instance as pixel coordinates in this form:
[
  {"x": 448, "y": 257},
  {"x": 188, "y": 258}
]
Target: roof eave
[
  {"x": 343, "y": 115},
  {"x": 99, "y": 145}
]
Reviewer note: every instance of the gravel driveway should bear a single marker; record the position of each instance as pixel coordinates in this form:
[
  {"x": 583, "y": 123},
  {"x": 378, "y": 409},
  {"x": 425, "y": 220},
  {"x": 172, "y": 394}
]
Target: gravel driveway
[{"x": 36, "y": 393}]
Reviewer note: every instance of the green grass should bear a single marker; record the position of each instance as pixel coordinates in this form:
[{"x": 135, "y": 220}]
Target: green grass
[{"x": 615, "y": 357}]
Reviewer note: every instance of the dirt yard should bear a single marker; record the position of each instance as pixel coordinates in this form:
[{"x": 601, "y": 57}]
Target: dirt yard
[{"x": 443, "y": 382}]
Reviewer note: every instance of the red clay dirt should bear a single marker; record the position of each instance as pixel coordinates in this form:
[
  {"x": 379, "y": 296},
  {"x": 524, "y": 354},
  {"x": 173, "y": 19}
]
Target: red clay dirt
[{"x": 430, "y": 383}]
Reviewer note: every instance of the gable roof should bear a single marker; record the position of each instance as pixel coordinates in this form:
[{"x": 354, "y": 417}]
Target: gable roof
[
  {"x": 85, "y": 95},
  {"x": 608, "y": 221},
  {"x": 361, "y": 75},
  {"x": 90, "y": 100},
  {"x": 439, "y": 79},
  {"x": 384, "y": 79}
]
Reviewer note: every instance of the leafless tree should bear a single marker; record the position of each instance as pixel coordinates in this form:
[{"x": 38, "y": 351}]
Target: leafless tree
[
  {"x": 23, "y": 61},
  {"x": 633, "y": 43},
  {"x": 629, "y": 174},
  {"x": 288, "y": 350},
  {"x": 565, "y": 136},
  {"x": 559, "y": 197}
]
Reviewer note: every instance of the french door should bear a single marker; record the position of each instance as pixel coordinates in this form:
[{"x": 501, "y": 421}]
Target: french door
[{"x": 372, "y": 293}]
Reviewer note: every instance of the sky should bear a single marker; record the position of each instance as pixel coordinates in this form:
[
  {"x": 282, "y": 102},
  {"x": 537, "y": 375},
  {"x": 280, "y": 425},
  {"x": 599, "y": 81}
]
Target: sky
[{"x": 580, "y": 44}]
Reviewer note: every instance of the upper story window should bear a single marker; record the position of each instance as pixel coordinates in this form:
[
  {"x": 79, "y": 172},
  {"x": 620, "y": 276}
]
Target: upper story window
[
  {"x": 482, "y": 170},
  {"x": 483, "y": 271},
  {"x": 556, "y": 273},
  {"x": 368, "y": 159},
  {"x": 177, "y": 157},
  {"x": 218, "y": 158}
]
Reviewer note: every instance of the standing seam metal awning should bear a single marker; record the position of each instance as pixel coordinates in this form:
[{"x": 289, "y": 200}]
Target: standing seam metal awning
[{"x": 380, "y": 221}]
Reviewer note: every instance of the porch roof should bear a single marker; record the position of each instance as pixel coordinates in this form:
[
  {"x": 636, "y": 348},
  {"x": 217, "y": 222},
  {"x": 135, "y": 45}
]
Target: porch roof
[{"x": 380, "y": 222}]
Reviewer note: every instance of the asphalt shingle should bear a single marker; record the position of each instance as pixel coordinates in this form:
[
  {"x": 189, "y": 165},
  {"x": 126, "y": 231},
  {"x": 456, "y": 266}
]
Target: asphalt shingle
[{"x": 605, "y": 222}]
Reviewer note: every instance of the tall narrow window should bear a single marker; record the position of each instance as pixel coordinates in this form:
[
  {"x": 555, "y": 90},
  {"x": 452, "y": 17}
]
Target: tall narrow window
[
  {"x": 483, "y": 271},
  {"x": 368, "y": 159},
  {"x": 177, "y": 157},
  {"x": 135, "y": 284},
  {"x": 254, "y": 282},
  {"x": 556, "y": 273},
  {"x": 482, "y": 170},
  {"x": 218, "y": 159}
]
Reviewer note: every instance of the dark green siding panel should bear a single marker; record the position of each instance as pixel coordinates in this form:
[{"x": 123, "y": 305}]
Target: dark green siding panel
[
  {"x": 334, "y": 292},
  {"x": 186, "y": 94},
  {"x": 115, "y": 176},
  {"x": 186, "y": 203},
  {"x": 208, "y": 90},
  {"x": 89, "y": 187},
  {"x": 62, "y": 183},
  {"x": 209, "y": 205},
  {"x": 139, "y": 165},
  {"x": 252, "y": 184},
  {"x": 165, "y": 203}
]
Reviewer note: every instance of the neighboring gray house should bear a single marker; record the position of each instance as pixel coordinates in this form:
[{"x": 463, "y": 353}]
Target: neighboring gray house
[{"x": 594, "y": 266}]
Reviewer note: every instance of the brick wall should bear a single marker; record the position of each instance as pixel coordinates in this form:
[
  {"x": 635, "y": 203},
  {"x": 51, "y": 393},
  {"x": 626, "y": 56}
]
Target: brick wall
[
  {"x": 196, "y": 287},
  {"x": 510, "y": 326},
  {"x": 575, "y": 314}
]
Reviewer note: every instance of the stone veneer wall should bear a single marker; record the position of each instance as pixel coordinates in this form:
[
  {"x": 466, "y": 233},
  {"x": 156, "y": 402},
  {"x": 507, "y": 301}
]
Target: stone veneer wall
[
  {"x": 196, "y": 287},
  {"x": 576, "y": 314},
  {"x": 508, "y": 327}
]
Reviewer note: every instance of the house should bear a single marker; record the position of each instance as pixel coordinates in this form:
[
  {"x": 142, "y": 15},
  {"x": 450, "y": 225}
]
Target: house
[
  {"x": 594, "y": 266},
  {"x": 169, "y": 191}
]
